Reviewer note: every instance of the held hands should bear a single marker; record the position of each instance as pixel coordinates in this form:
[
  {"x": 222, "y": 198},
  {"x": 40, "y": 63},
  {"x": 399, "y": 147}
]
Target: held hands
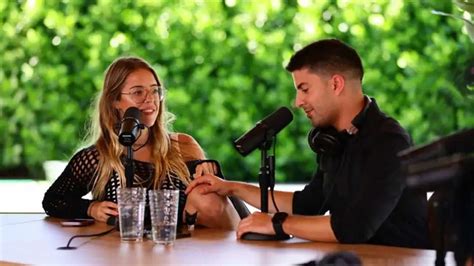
[
  {"x": 102, "y": 210},
  {"x": 209, "y": 183},
  {"x": 256, "y": 222},
  {"x": 205, "y": 180},
  {"x": 205, "y": 168}
]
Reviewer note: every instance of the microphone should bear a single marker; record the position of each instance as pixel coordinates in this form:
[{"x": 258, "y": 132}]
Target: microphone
[
  {"x": 130, "y": 126},
  {"x": 267, "y": 127}
]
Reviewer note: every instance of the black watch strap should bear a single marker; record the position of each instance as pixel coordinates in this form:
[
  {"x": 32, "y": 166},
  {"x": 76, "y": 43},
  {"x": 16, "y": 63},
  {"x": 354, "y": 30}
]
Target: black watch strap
[{"x": 277, "y": 221}]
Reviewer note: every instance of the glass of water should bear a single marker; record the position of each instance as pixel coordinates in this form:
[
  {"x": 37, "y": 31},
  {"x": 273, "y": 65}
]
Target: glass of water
[
  {"x": 131, "y": 207},
  {"x": 164, "y": 215}
]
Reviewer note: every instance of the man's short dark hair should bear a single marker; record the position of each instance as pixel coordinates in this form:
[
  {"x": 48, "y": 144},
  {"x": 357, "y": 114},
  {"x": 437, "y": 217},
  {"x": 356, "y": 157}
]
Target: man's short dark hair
[{"x": 328, "y": 57}]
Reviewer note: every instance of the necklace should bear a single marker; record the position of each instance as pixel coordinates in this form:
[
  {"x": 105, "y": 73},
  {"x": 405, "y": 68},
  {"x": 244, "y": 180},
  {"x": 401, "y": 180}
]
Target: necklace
[{"x": 139, "y": 146}]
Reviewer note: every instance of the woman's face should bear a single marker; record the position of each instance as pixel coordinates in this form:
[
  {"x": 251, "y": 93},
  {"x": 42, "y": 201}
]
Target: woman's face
[{"x": 141, "y": 90}]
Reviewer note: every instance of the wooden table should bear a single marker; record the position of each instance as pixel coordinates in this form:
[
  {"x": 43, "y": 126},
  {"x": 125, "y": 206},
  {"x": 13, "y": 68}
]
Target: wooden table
[{"x": 34, "y": 239}]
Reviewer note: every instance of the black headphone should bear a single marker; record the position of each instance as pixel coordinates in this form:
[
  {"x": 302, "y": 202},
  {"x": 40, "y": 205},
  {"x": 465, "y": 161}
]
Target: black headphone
[{"x": 329, "y": 140}]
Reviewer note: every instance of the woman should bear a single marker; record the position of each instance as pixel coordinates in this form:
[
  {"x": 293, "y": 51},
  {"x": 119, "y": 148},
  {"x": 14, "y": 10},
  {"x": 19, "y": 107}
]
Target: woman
[{"x": 161, "y": 158}]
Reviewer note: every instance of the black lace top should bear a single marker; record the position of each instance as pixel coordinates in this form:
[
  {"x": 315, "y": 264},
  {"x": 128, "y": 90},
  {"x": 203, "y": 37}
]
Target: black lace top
[{"x": 64, "y": 198}]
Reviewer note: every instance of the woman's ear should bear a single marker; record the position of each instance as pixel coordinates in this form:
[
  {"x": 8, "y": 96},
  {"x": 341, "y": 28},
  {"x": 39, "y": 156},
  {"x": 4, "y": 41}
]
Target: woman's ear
[
  {"x": 117, "y": 113},
  {"x": 117, "y": 108},
  {"x": 116, "y": 105}
]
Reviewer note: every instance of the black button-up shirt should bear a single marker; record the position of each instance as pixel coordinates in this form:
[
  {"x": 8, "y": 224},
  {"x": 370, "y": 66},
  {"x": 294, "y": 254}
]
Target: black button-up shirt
[{"x": 364, "y": 190}]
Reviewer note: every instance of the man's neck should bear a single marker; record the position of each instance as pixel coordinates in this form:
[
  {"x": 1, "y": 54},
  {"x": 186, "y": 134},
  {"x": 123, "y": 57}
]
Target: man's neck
[{"x": 349, "y": 110}]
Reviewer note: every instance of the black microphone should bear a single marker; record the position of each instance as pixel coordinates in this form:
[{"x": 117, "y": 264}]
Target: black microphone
[
  {"x": 130, "y": 126},
  {"x": 267, "y": 127}
]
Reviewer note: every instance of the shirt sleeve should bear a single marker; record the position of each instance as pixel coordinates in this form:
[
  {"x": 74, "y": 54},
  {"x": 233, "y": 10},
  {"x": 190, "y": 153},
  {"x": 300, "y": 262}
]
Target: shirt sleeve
[
  {"x": 309, "y": 200},
  {"x": 382, "y": 185},
  {"x": 64, "y": 198}
]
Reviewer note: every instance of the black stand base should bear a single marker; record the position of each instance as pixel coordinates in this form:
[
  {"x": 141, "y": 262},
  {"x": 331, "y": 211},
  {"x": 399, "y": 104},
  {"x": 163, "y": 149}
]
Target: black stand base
[{"x": 265, "y": 237}]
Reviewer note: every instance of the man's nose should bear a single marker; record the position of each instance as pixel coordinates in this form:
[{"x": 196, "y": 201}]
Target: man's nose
[{"x": 298, "y": 100}]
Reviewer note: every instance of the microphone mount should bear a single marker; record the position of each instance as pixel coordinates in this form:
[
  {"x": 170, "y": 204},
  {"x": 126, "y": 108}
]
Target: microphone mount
[
  {"x": 129, "y": 169},
  {"x": 266, "y": 181}
]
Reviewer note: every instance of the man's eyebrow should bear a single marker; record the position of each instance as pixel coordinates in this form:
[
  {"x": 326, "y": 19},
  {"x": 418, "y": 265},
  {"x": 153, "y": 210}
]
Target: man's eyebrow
[{"x": 299, "y": 86}]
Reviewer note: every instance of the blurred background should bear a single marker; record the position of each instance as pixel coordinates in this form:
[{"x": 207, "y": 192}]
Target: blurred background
[{"x": 222, "y": 62}]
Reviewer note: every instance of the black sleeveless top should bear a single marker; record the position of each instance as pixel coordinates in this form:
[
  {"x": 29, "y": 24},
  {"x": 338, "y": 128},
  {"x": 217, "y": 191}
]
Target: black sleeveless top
[{"x": 64, "y": 198}]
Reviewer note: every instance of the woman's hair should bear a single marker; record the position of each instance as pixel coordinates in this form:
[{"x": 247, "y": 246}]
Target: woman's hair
[{"x": 102, "y": 132}]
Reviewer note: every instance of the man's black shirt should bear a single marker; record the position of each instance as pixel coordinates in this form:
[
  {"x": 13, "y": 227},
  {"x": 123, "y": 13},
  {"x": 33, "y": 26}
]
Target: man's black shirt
[{"x": 364, "y": 191}]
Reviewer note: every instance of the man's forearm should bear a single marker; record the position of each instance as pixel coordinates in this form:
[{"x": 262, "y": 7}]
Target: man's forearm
[
  {"x": 251, "y": 194},
  {"x": 315, "y": 228}
]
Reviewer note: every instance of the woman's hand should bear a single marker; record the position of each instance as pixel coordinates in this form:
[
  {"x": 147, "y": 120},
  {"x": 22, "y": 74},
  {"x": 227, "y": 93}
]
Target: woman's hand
[
  {"x": 205, "y": 168},
  {"x": 208, "y": 184},
  {"x": 102, "y": 210}
]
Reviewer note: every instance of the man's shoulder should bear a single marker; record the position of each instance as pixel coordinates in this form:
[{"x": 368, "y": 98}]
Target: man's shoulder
[
  {"x": 391, "y": 125},
  {"x": 383, "y": 125}
]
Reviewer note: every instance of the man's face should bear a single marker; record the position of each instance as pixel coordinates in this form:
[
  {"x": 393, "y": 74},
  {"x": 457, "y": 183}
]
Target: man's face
[{"x": 315, "y": 96}]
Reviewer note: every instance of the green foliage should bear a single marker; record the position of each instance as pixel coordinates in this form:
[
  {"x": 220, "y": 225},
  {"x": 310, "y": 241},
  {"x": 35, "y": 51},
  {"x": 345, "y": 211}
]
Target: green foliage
[{"x": 223, "y": 64}]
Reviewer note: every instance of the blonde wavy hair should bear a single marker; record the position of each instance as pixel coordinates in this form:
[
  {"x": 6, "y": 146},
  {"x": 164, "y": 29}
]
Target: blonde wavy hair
[{"x": 166, "y": 155}]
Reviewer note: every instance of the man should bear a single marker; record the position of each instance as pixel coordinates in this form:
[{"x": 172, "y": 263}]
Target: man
[{"x": 358, "y": 175}]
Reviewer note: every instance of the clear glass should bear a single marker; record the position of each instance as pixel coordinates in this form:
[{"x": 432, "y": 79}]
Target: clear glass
[
  {"x": 131, "y": 207},
  {"x": 139, "y": 95},
  {"x": 164, "y": 215}
]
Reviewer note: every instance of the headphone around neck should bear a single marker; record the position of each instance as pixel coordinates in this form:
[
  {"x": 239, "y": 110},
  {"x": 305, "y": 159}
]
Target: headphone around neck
[{"x": 330, "y": 141}]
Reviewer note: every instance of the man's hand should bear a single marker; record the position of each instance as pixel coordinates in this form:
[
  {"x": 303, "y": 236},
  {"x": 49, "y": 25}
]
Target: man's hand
[
  {"x": 257, "y": 222},
  {"x": 102, "y": 210},
  {"x": 209, "y": 183}
]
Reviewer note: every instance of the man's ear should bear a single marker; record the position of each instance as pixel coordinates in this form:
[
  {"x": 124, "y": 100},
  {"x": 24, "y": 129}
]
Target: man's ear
[{"x": 337, "y": 83}]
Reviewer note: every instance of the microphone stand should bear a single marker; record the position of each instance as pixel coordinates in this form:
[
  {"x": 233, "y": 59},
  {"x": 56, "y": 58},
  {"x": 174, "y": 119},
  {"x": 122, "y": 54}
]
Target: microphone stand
[
  {"x": 129, "y": 172},
  {"x": 266, "y": 181},
  {"x": 129, "y": 167},
  {"x": 112, "y": 220}
]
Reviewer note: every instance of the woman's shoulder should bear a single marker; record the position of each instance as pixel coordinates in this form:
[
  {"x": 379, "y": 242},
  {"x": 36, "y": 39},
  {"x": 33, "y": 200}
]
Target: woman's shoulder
[
  {"x": 88, "y": 153},
  {"x": 87, "y": 149},
  {"x": 188, "y": 146},
  {"x": 182, "y": 137},
  {"x": 84, "y": 162}
]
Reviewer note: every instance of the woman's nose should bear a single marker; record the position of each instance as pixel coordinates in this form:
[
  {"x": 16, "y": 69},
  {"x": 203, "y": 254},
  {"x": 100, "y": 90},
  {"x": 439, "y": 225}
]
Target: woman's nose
[{"x": 149, "y": 97}]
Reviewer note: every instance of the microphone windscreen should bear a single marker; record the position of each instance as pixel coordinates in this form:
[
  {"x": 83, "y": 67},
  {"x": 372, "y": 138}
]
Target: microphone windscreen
[
  {"x": 278, "y": 119},
  {"x": 267, "y": 127},
  {"x": 132, "y": 112},
  {"x": 130, "y": 126}
]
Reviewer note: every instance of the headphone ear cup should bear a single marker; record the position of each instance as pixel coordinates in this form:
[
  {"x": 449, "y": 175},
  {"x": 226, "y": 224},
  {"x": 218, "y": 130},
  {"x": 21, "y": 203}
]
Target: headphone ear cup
[
  {"x": 312, "y": 139},
  {"x": 324, "y": 141}
]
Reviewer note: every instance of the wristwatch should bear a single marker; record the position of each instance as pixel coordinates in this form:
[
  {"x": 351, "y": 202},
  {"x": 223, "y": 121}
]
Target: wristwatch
[{"x": 277, "y": 221}]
